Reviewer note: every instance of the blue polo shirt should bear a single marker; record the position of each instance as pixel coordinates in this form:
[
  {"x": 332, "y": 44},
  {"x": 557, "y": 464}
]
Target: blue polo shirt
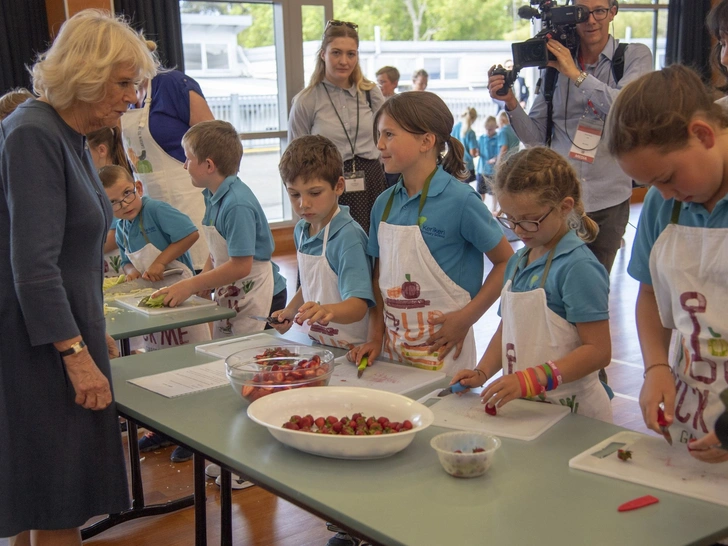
[
  {"x": 577, "y": 285},
  {"x": 163, "y": 225},
  {"x": 469, "y": 141},
  {"x": 654, "y": 218},
  {"x": 237, "y": 215},
  {"x": 458, "y": 228},
  {"x": 488, "y": 148},
  {"x": 507, "y": 137},
  {"x": 346, "y": 253}
]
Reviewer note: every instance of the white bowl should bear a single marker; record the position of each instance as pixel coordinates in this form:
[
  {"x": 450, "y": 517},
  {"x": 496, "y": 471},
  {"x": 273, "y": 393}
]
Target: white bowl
[
  {"x": 274, "y": 410},
  {"x": 466, "y": 464}
]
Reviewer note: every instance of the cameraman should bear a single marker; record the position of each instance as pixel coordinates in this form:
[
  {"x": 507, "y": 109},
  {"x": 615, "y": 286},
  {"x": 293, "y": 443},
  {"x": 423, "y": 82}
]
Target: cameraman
[{"x": 584, "y": 92}]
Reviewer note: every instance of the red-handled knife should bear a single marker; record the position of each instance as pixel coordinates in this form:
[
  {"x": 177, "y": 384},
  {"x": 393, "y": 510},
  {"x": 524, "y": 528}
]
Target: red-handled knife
[{"x": 637, "y": 503}]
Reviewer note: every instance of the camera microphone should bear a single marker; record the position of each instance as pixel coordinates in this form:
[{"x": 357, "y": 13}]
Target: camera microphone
[{"x": 527, "y": 12}]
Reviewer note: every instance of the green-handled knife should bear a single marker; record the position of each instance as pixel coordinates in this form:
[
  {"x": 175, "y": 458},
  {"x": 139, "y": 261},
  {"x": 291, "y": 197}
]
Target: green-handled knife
[{"x": 362, "y": 366}]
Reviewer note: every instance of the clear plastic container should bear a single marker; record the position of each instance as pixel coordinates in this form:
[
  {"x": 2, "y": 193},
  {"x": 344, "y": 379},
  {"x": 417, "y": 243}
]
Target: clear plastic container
[{"x": 467, "y": 463}]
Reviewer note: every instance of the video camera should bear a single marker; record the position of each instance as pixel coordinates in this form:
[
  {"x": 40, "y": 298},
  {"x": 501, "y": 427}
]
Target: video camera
[{"x": 559, "y": 23}]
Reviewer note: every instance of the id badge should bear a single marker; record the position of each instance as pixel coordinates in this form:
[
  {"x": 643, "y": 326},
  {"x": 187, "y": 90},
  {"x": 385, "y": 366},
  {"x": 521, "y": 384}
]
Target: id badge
[
  {"x": 355, "y": 181},
  {"x": 588, "y": 134}
]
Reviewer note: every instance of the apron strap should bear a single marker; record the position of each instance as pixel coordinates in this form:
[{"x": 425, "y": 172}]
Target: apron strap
[
  {"x": 141, "y": 227},
  {"x": 675, "y": 216},
  {"x": 423, "y": 198},
  {"x": 326, "y": 234}
]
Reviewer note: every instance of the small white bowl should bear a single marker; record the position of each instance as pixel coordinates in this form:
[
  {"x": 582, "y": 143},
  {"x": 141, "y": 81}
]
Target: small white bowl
[
  {"x": 466, "y": 464},
  {"x": 274, "y": 410}
]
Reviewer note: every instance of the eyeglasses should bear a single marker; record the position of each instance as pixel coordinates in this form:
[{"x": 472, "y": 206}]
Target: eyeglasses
[
  {"x": 599, "y": 13},
  {"x": 129, "y": 196},
  {"x": 526, "y": 225},
  {"x": 337, "y": 23}
]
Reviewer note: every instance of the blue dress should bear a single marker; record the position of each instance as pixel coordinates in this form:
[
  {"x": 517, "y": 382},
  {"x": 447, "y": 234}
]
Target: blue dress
[{"x": 60, "y": 464}]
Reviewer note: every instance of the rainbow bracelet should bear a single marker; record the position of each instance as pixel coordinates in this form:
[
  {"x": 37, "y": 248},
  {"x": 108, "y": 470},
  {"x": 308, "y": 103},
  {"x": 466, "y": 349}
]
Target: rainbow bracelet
[
  {"x": 537, "y": 387},
  {"x": 549, "y": 377},
  {"x": 522, "y": 381},
  {"x": 557, "y": 373}
]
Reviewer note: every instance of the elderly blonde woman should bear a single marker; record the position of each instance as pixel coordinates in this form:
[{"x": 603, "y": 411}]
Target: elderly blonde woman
[{"x": 61, "y": 459}]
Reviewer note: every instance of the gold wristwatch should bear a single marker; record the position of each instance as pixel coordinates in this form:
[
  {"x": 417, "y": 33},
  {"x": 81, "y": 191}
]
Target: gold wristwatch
[
  {"x": 580, "y": 79},
  {"x": 73, "y": 349}
]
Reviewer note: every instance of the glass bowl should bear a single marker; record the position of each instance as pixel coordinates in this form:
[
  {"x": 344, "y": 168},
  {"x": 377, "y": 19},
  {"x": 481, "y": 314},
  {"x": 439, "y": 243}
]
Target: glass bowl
[
  {"x": 467, "y": 463},
  {"x": 259, "y": 371}
]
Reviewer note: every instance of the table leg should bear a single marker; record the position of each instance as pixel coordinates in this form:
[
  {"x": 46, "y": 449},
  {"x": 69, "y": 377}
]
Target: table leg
[
  {"x": 200, "y": 500},
  {"x": 226, "y": 504},
  {"x": 124, "y": 347}
]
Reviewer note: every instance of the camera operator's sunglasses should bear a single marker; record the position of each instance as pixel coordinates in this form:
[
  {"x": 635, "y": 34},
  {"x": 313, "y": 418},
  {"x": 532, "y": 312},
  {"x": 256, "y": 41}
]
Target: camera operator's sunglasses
[
  {"x": 599, "y": 14},
  {"x": 337, "y": 23}
]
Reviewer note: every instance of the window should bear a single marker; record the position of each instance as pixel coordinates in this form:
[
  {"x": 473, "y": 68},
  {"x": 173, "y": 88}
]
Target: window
[
  {"x": 193, "y": 56},
  {"x": 217, "y": 56}
]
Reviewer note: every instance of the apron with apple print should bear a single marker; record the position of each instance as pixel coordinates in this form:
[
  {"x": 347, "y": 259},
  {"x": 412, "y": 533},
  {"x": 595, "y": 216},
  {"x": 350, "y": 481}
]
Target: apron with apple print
[
  {"x": 689, "y": 271},
  {"x": 414, "y": 289}
]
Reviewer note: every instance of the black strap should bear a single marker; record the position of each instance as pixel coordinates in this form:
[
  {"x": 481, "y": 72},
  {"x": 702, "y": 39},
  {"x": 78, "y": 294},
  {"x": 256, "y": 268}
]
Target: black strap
[
  {"x": 369, "y": 98},
  {"x": 618, "y": 62}
]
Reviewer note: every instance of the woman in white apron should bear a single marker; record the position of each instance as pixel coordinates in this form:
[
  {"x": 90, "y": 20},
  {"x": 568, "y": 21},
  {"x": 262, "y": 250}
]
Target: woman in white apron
[
  {"x": 163, "y": 175},
  {"x": 679, "y": 251},
  {"x": 534, "y": 345}
]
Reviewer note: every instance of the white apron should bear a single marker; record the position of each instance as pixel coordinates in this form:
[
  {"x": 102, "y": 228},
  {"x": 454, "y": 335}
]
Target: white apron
[
  {"x": 414, "y": 289},
  {"x": 533, "y": 334},
  {"x": 689, "y": 271},
  {"x": 112, "y": 264},
  {"x": 163, "y": 177},
  {"x": 321, "y": 283},
  {"x": 143, "y": 259},
  {"x": 251, "y": 296}
]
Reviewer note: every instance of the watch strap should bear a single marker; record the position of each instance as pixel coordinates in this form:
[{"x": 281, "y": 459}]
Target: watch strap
[
  {"x": 74, "y": 349},
  {"x": 580, "y": 79}
]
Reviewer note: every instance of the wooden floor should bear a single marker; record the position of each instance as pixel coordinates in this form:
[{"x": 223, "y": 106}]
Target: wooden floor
[{"x": 260, "y": 518}]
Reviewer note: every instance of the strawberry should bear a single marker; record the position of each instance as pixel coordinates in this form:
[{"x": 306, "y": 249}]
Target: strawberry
[
  {"x": 331, "y": 419},
  {"x": 478, "y": 450},
  {"x": 661, "y": 417},
  {"x": 407, "y": 424},
  {"x": 319, "y": 421},
  {"x": 458, "y": 451},
  {"x": 624, "y": 454},
  {"x": 490, "y": 410},
  {"x": 337, "y": 426}
]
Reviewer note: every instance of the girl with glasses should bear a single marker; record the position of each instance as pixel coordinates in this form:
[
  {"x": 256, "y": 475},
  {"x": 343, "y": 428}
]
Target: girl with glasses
[
  {"x": 340, "y": 103},
  {"x": 554, "y": 333}
]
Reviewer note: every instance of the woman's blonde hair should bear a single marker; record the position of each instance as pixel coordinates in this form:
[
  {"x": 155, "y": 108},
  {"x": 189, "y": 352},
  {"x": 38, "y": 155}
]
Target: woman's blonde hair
[
  {"x": 420, "y": 112},
  {"x": 656, "y": 109},
  {"x": 468, "y": 117},
  {"x": 319, "y": 72},
  {"x": 89, "y": 46},
  {"x": 544, "y": 173}
]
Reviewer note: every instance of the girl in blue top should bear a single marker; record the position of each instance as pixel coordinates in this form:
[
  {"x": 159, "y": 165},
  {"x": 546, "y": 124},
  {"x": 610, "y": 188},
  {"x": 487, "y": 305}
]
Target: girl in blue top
[
  {"x": 428, "y": 235},
  {"x": 464, "y": 133},
  {"x": 667, "y": 132},
  {"x": 554, "y": 333}
]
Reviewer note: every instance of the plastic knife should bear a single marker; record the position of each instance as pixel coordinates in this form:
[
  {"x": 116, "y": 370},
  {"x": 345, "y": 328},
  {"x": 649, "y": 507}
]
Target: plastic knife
[
  {"x": 362, "y": 366},
  {"x": 455, "y": 387},
  {"x": 637, "y": 503}
]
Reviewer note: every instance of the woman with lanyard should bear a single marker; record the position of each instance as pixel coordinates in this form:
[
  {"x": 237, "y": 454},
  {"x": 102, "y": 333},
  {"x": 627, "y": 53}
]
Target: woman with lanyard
[
  {"x": 168, "y": 105},
  {"x": 340, "y": 103}
]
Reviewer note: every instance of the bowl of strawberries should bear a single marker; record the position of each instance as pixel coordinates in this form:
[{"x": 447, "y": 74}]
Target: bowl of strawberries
[
  {"x": 259, "y": 371},
  {"x": 342, "y": 422}
]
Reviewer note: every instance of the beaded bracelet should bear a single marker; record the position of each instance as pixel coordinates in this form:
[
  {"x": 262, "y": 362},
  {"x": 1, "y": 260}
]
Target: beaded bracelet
[{"x": 656, "y": 366}]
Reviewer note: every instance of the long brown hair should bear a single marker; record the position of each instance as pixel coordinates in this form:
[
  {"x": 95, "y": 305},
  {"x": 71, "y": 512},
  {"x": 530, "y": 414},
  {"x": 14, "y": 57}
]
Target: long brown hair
[
  {"x": 319, "y": 72},
  {"x": 420, "y": 112},
  {"x": 656, "y": 109},
  {"x": 111, "y": 138},
  {"x": 544, "y": 173}
]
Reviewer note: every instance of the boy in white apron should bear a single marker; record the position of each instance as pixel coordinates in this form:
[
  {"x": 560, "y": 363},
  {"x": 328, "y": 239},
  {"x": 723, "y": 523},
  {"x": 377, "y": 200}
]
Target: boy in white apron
[
  {"x": 679, "y": 253},
  {"x": 334, "y": 269},
  {"x": 239, "y": 268},
  {"x": 428, "y": 234},
  {"x": 554, "y": 334}
]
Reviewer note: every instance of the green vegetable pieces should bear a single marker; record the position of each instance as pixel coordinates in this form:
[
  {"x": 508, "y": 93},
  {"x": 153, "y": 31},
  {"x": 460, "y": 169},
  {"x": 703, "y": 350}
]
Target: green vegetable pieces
[{"x": 149, "y": 301}]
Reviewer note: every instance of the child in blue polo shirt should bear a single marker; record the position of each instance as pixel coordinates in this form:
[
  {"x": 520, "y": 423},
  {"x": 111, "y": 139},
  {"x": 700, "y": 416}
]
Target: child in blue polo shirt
[
  {"x": 554, "y": 333},
  {"x": 487, "y": 157},
  {"x": 334, "y": 269},
  {"x": 428, "y": 235},
  {"x": 239, "y": 268},
  {"x": 463, "y": 131},
  {"x": 508, "y": 142}
]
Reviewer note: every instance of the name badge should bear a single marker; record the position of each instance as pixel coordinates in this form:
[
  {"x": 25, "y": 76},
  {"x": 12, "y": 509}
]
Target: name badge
[
  {"x": 586, "y": 141},
  {"x": 355, "y": 181}
]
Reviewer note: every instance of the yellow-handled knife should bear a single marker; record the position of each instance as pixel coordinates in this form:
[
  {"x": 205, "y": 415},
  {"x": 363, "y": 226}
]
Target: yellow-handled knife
[{"x": 362, "y": 366}]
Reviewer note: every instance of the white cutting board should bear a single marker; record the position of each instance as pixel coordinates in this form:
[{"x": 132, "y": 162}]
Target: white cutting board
[
  {"x": 383, "y": 376},
  {"x": 656, "y": 464},
  {"x": 518, "y": 419},
  {"x": 132, "y": 302},
  {"x": 227, "y": 347}
]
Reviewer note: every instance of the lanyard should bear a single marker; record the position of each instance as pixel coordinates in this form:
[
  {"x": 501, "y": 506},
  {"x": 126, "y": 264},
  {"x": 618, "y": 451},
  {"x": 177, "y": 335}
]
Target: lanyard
[
  {"x": 589, "y": 102},
  {"x": 356, "y": 135},
  {"x": 546, "y": 269},
  {"x": 423, "y": 198}
]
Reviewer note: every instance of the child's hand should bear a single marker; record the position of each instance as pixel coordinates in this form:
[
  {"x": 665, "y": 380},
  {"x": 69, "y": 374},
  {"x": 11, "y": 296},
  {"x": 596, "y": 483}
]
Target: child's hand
[
  {"x": 469, "y": 378},
  {"x": 176, "y": 294},
  {"x": 370, "y": 349},
  {"x": 312, "y": 312},
  {"x": 155, "y": 272},
  {"x": 706, "y": 449},
  {"x": 450, "y": 335},
  {"x": 658, "y": 388},
  {"x": 206, "y": 294},
  {"x": 501, "y": 391},
  {"x": 133, "y": 275},
  {"x": 285, "y": 318}
]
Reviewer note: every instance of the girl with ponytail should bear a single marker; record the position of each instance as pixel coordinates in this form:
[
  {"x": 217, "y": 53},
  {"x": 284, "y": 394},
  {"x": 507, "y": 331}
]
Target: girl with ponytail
[
  {"x": 554, "y": 333},
  {"x": 428, "y": 235}
]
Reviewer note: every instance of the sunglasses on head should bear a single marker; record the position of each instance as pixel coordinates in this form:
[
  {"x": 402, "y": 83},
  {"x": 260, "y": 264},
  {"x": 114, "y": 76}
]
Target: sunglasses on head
[{"x": 337, "y": 23}]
